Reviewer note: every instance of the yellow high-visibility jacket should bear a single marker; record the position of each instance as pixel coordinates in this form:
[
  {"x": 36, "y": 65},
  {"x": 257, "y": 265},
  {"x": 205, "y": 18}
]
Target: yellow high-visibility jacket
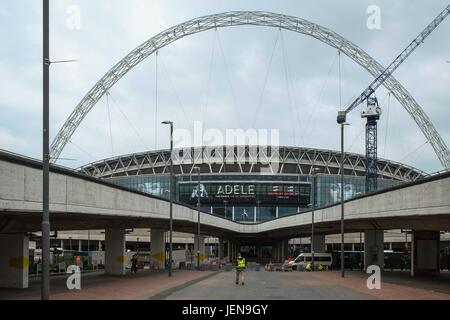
[{"x": 240, "y": 264}]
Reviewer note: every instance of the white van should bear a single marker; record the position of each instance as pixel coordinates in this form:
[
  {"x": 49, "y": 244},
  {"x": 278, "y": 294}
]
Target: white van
[{"x": 325, "y": 259}]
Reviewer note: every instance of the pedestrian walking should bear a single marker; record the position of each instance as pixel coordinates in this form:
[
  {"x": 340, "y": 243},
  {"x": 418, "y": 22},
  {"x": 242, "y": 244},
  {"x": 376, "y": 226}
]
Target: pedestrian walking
[
  {"x": 134, "y": 263},
  {"x": 240, "y": 269}
]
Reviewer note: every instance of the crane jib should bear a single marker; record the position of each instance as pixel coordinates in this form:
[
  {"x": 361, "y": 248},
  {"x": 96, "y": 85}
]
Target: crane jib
[{"x": 395, "y": 64}]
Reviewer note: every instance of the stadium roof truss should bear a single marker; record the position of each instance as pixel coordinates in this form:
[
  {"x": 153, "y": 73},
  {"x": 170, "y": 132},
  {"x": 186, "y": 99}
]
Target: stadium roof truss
[{"x": 282, "y": 160}]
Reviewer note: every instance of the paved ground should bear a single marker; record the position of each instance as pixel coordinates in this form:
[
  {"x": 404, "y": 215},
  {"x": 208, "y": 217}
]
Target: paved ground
[
  {"x": 220, "y": 286},
  {"x": 317, "y": 285},
  {"x": 98, "y": 286}
]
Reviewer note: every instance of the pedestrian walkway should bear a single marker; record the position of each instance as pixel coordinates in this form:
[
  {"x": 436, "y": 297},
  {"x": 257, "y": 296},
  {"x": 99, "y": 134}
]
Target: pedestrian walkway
[
  {"x": 208, "y": 285},
  {"x": 98, "y": 286},
  {"x": 314, "y": 285}
]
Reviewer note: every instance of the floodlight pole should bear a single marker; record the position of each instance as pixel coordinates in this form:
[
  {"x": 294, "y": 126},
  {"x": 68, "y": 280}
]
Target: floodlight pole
[
  {"x": 198, "y": 217},
  {"x": 313, "y": 205},
  {"x": 342, "y": 201},
  {"x": 171, "y": 196},
  {"x": 45, "y": 239}
]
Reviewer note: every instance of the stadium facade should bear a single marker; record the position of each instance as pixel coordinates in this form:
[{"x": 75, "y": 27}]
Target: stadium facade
[{"x": 249, "y": 183}]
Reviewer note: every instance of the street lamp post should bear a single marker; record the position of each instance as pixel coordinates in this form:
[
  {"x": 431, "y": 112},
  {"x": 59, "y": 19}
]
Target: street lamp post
[
  {"x": 342, "y": 199},
  {"x": 89, "y": 248},
  {"x": 313, "y": 205},
  {"x": 45, "y": 240},
  {"x": 360, "y": 252},
  {"x": 171, "y": 195},
  {"x": 198, "y": 216}
]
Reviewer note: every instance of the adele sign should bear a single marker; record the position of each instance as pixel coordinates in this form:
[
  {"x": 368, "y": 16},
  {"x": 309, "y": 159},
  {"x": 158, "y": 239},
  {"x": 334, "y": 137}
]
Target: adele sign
[
  {"x": 250, "y": 193},
  {"x": 236, "y": 190}
]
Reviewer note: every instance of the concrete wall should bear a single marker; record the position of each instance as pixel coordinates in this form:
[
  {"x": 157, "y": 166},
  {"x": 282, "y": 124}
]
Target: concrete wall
[
  {"x": 115, "y": 251},
  {"x": 14, "y": 261},
  {"x": 425, "y": 253},
  {"x": 319, "y": 243},
  {"x": 374, "y": 248},
  {"x": 199, "y": 248},
  {"x": 158, "y": 247},
  {"x": 20, "y": 191}
]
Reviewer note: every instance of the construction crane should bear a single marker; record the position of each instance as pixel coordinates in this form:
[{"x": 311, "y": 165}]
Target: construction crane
[{"x": 373, "y": 111}]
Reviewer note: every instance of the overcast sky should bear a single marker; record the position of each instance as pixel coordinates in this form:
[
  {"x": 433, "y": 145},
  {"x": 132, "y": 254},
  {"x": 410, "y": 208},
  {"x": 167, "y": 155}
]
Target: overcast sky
[{"x": 218, "y": 76}]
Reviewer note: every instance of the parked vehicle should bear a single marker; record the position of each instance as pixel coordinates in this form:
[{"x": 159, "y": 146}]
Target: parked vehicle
[{"x": 325, "y": 259}]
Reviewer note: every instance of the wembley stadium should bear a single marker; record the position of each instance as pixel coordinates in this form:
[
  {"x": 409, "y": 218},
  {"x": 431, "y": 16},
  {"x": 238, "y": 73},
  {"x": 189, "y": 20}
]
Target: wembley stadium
[{"x": 237, "y": 185}]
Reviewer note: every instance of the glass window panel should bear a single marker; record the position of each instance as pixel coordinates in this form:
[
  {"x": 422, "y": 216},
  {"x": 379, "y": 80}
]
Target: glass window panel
[
  {"x": 266, "y": 213},
  {"x": 282, "y": 211},
  {"x": 244, "y": 214}
]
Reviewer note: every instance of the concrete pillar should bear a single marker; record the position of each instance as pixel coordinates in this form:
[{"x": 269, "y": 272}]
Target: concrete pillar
[
  {"x": 319, "y": 243},
  {"x": 374, "y": 248},
  {"x": 425, "y": 253},
  {"x": 284, "y": 250},
  {"x": 199, "y": 249},
  {"x": 274, "y": 251},
  {"x": 235, "y": 251},
  {"x": 258, "y": 253},
  {"x": 158, "y": 247},
  {"x": 279, "y": 250},
  {"x": 14, "y": 261},
  {"x": 229, "y": 250},
  {"x": 220, "y": 249},
  {"x": 115, "y": 251}
]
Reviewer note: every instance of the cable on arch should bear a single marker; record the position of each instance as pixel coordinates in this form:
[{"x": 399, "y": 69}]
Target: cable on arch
[
  {"x": 208, "y": 84},
  {"x": 227, "y": 69},
  {"x": 312, "y": 124},
  {"x": 109, "y": 121},
  {"x": 132, "y": 126},
  {"x": 285, "y": 67},
  {"x": 156, "y": 100},
  {"x": 261, "y": 96}
]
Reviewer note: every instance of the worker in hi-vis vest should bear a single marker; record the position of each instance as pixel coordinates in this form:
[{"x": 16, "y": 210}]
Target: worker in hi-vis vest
[{"x": 240, "y": 268}]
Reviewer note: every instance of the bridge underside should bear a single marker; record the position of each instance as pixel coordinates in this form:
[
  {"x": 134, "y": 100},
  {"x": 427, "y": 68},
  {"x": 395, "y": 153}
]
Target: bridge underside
[
  {"x": 79, "y": 202},
  {"x": 15, "y": 222}
]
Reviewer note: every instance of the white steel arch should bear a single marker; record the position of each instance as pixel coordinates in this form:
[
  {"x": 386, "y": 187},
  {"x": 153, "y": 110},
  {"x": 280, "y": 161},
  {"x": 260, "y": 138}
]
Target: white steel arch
[{"x": 255, "y": 18}]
